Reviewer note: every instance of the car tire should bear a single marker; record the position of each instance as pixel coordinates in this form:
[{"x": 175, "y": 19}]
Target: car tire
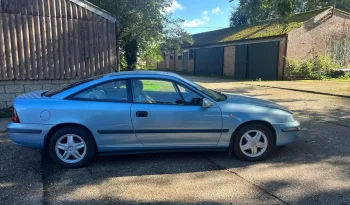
[
  {"x": 72, "y": 147},
  {"x": 248, "y": 146}
]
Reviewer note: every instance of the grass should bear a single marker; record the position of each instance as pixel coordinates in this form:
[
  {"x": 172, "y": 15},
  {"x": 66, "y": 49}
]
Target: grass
[{"x": 156, "y": 85}]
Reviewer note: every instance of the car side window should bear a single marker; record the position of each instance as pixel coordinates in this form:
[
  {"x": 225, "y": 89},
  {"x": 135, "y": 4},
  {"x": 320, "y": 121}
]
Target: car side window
[
  {"x": 149, "y": 91},
  {"x": 110, "y": 91},
  {"x": 190, "y": 97}
]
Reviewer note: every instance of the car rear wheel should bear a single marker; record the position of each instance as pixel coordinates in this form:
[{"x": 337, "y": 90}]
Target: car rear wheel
[
  {"x": 72, "y": 147},
  {"x": 253, "y": 142}
]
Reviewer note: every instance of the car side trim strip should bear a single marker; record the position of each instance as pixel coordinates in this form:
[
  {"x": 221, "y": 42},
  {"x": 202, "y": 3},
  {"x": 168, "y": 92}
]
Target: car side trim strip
[
  {"x": 162, "y": 131},
  {"x": 115, "y": 131},
  {"x": 23, "y": 131}
]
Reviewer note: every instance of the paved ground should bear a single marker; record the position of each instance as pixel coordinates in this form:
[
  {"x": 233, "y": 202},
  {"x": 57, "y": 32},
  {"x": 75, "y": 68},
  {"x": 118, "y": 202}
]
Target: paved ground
[
  {"x": 314, "y": 170},
  {"x": 330, "y": 87}
]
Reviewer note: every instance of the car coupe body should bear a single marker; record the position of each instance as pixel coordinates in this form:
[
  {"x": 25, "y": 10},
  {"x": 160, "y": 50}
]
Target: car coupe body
[{"x": 144, "y": 111}]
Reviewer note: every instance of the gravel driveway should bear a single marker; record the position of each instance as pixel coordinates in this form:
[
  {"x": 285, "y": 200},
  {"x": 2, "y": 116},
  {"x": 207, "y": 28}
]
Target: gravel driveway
[{"x": 313, "y": 170}]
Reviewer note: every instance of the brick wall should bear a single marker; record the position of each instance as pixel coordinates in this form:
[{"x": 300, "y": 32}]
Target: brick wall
[
  {"x": 9, "y": 90},
  {"x": 229, "y": 61},
  {"x": 311, "y": 39},
  {"x": 281, "y": 59}
]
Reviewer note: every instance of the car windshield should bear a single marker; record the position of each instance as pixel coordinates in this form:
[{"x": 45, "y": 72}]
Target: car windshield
[
  {"x": 217, "y": 96},
  {"x": 68, "y": 86}
]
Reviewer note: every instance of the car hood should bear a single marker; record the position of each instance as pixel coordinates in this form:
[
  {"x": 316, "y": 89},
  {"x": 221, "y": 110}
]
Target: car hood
[{"x": 242, "y": 99}]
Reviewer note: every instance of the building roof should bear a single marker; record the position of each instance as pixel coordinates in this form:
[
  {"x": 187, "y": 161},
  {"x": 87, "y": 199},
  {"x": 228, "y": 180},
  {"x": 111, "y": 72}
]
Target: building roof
[
  {"x": 95, "y": 9},
  {"x": 269, "y": 28}
]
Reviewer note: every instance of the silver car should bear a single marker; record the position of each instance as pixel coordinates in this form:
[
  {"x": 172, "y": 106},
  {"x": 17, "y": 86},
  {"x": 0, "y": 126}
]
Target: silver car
[{"x": 143, "y": 111}]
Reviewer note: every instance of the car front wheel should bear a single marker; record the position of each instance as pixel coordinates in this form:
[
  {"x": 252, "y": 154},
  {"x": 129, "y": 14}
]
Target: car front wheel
[
  {"x": 253, "y": 142},
  {"x": 72, "y": 147}
]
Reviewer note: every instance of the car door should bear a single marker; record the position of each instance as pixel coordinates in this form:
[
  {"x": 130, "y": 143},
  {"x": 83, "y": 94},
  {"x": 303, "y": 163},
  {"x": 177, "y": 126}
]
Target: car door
[
  {"x": 161, "y": 117},
  {"x": 105, "y": 110}
]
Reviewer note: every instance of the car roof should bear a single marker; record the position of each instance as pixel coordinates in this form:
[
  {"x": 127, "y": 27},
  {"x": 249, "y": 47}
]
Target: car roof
[{"x": 142, "y": 72}]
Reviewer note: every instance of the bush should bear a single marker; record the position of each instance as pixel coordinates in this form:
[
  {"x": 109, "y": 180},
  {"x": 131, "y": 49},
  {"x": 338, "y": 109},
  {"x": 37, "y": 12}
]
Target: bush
[{"x": 318, "y": 67}]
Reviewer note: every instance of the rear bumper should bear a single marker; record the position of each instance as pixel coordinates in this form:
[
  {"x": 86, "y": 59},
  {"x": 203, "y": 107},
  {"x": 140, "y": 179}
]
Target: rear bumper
[
  {"x": 286, "y": 132},
  {"x": 28, "y": 135}
]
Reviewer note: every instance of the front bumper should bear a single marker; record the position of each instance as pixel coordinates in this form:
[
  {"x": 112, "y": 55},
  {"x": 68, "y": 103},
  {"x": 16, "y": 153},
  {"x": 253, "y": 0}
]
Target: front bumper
[
  {"x": 28, "y": 135},
  {"x": 286, "y": 133}
]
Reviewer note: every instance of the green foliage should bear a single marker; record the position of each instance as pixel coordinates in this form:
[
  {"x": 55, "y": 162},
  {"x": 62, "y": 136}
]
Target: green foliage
[
  {"x": 252, "y": 11},
  {"x": 146, "y": 23},
  {"x": 130, "y": 49},
  {"x": 320, "y": 67},
  {"x": 339, "y": 47}
]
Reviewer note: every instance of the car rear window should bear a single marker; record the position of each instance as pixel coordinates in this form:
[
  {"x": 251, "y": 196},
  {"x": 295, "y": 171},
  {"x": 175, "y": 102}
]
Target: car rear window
[{"x": 69, "y": 86}]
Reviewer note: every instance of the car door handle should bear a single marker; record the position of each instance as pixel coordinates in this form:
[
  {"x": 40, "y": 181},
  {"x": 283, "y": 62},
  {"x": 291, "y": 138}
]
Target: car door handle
[{"x": 141, "y": 114}]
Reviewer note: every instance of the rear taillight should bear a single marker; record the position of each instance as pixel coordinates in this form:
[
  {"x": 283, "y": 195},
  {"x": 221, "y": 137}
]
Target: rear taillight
[{"x": 15, "y": 117}]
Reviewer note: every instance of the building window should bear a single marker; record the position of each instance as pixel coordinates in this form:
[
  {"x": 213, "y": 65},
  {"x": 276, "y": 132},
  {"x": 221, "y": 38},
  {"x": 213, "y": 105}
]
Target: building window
[
  {"x": 191, "y": 55},
  {"x": 171, "y": 57},
  {"x": 179, "y": 57}
]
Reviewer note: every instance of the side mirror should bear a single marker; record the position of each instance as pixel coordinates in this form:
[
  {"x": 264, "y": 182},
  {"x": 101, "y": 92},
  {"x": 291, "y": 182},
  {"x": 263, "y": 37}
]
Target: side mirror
[{"x": 206, "y": 103}]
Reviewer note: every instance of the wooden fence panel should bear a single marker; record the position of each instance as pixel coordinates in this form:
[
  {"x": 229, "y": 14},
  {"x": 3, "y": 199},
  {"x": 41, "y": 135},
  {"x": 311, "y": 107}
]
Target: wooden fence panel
[
  {"x": 26, "y": 48},
  {"x": 42, "y": 73},
  {"x": 96, "y": 47},
  {"x": 48, "y": 34},
  {"x": 53, "y": 39},
  {"x": 91, "y": 48},
  {"x": 65, "y": 39},
  {"x": 19, "y": 34},
  {"x": 113, "y": 51},
  {"x": 2, "y": 48},
  {"x": 13, "y": 35},
  {"x": 7, "y": 40},
  {"x": 83, "y": 43},
  {"x": 31, "y": 46},
  {"x": 76, "y": 32},
  {"x": 71, "y": 48}
]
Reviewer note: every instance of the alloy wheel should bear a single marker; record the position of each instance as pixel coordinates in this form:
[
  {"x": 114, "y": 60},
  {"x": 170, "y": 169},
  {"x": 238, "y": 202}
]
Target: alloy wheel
[
  {"x": 253, "y": 143},
  {"x": 70, "y": 148}
]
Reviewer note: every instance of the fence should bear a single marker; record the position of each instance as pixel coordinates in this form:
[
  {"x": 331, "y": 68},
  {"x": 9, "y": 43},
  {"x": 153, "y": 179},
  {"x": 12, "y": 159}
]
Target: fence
[{"x": 54, "y": 39}]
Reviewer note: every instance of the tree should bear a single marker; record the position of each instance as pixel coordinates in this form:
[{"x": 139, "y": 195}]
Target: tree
[
  {"x": 251, "y": 11},
  {"x": 144, "y": 24}
]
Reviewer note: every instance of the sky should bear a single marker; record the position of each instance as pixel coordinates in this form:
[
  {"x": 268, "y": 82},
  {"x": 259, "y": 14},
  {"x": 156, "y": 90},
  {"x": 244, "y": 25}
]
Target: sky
[{"x": 202, "y": 15}]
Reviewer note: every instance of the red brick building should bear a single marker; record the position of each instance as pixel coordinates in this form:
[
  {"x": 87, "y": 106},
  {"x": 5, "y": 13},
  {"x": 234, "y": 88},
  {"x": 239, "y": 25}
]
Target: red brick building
[{"x": 259, "y": 50}]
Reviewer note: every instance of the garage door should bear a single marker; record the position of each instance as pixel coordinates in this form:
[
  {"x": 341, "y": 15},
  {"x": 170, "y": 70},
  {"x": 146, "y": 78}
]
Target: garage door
[
  {"x": 263, "y": 60},
  {"x": 209, "y": 61},
  {"x": 241, "y": 61},
  {"x": 258, "y": 60},
  {"x": 185, "y": 61}
]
